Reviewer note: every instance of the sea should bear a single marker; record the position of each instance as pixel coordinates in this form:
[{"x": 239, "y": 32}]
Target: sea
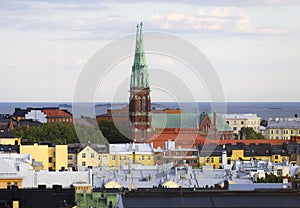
[{"x": 265, "y": 110}]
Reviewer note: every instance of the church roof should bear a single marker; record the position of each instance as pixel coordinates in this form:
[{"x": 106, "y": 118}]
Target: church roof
[
  {"x": 222, "y": 125},
  {"x": 186, "y": 120},
  {"x": 162, "y": 120}
]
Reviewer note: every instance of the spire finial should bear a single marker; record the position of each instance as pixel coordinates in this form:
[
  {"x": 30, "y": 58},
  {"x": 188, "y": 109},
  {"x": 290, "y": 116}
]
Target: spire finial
[{"x": 139, "y": 68}]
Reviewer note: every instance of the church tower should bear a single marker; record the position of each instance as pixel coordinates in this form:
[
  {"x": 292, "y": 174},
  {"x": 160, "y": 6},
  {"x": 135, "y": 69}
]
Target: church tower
[{"x": 139, "y": 100}]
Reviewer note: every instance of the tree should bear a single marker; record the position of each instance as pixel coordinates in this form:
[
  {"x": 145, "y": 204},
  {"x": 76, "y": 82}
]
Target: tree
[
  {"x": 64, "y": 133},
  {"x": 249, "y": 133},
  {"x": 111, "y": 133},
  {"x": 90, "y": 134}
]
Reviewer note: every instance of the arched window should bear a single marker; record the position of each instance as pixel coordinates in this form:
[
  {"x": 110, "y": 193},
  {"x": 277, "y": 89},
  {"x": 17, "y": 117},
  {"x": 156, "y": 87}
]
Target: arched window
[
  {"x": 144, "y": 108},
  {"x": 139, "y": 105},
  {"x": 142, "y": 133}
]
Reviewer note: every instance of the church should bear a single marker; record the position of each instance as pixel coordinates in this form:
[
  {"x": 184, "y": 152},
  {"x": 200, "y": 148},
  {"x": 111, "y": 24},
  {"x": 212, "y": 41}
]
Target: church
[{"x": 145, "y": 124}]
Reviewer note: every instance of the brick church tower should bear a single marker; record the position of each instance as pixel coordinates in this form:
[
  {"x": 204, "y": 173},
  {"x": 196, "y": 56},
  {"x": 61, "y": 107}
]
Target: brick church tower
[{"x": 139, "y": 100}]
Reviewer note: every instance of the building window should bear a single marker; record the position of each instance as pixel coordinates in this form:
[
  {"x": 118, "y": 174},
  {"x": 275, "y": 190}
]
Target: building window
[
  {"x": 83, "y": 163},
  {"x": 113, "y": 157},
  {"x": 279, "y": 172},
  {"x": 125, "y": 157},
  {"x": 83, "y": 155},
  {"x": 143, "y": 157},
  {"x": 242, "y": 122},
  {"x": 70, "y": 157},
  {"x": 276, "y": 157},
  {"x": 149, "y": 157},
  {"x": 234, "y": 128},
  {"x": 142, "y": 133},
  {"x": 50, "y": 159},
  {"x": 8, "y": 184},
  {"x": 277, "y": 131},
  {"x": 92, "y": 155},
  {"x": 207, "y": 160},
  {"x": 212, "y": 160},
  {"x": 144, "y": 108},
  {"x": 158, "y": 158},
  {"x": 99, "y": 157},
  {"x": 220, "y": 159},
  {"x": 139, "y": 105},
  {"x": 15, "y": 183},
  {"x": 292, "y": 132}
]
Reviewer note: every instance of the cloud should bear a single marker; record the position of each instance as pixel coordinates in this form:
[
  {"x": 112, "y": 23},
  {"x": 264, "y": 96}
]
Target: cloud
[
  {"x": 175, "y": 17},
  {"x": 219, "y": 12},
  {"x": 210, "y": 20}
]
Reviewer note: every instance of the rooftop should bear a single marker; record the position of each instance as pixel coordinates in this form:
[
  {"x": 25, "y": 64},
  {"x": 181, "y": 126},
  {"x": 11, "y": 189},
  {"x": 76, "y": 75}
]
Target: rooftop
[
  {"x": 132, "y": 147},
  {"x": 284, "y": 124},
  {"x": 241, "y": 116},
  {"x": 52, "y": 113}
]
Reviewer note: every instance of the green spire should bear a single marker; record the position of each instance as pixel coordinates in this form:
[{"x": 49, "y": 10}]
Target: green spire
[{"x": 139, "y": 75}]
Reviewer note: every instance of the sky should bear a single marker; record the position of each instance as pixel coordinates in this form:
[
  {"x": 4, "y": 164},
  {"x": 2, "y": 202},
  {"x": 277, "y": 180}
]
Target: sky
[{"x": 253, "y": 45}]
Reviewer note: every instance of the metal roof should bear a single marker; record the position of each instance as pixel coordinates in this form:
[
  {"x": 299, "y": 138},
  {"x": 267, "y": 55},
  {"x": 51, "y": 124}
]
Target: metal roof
[{"x": 286, "y": 124}]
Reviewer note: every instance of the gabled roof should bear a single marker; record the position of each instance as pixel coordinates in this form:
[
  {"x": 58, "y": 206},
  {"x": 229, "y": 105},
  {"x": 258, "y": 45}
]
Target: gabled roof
[
  {"x": 56, "y": 113},
  {"x": 112, "y": 184},
  {"x": 222, "y": 125},
  {"x": 183, "y": 138},
  {"x": 99, "y": 148}
]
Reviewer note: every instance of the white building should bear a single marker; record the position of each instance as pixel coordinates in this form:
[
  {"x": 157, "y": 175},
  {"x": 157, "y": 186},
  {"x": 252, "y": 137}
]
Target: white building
[
  {"x": 19, "y": 166},
  {"x": 237, "y": 121},
  {"x": 36, "y": 115}
]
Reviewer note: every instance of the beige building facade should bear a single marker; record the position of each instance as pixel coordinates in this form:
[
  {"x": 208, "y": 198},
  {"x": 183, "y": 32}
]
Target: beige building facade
[{"x": 237, "y": 121}]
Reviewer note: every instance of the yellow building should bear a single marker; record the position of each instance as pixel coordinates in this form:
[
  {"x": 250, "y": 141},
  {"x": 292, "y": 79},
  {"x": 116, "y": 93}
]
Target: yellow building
[
  {"x": 83, "y": 188},
  {"x": 10, "y": 181},
  {"x": 53, "y": 157},
  {"x": 244, "y": 153},
  {"x": 8, "y": 138},
  {"x": 135, "y": 153},
  {"x": 283, "y": 128},
  {"x": 93, "y": 155},
  {"x": 215, "y": 161}
]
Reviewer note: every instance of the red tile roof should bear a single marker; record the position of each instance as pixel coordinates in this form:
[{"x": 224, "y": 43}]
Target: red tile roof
[
  {"x": 188, "y": 138},
  {"x": 184, "y": 138},
  {"x": 247, "y": 142},
  {"x": 56, "y": 113}
]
